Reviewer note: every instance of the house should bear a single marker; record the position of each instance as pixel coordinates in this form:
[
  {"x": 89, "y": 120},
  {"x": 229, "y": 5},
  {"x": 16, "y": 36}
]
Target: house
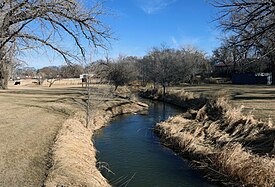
[
  {"x": 252, "y": 78},
  {"x": 223, "y": 69}
]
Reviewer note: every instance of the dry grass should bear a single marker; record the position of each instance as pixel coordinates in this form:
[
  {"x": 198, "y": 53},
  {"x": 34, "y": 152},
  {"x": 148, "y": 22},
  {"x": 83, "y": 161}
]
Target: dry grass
[
  {"x": 181, "y": 98},
  {"x": 58, "y": 83},
  {"x": 246, "y": 167},
  {"x": 256, "y": 100},
  {"x": 30, "y": 120},
  {"x": 74, "y": 158},
  {"x": 43, "y": 128},
  {"x": 74, "y": 155},
  {"x": 225, "y": 140},
  {"x": 174, "y": 134}
]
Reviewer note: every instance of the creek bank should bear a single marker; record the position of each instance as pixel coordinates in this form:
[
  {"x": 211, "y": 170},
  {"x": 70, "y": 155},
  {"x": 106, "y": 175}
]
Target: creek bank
[
  {"x": 230, "y": 147},
  {"x": 185, "y": 100},
  {"x": 74, "y": 155}
]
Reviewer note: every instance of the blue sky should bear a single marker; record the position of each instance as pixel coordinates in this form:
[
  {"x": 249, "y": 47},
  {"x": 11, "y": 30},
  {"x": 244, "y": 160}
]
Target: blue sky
[
  {"x": 139, "y": 25},
  {"x": 142, "y": 24}
]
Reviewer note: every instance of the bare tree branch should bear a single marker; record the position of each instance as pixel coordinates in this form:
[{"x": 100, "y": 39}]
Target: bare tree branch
[{"x": 51, "y": 23}]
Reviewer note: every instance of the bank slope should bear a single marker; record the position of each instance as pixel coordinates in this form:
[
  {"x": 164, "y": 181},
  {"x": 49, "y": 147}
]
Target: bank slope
[
  {"x": 74, "y": 155},
  {"x": 233, "y": 148}
]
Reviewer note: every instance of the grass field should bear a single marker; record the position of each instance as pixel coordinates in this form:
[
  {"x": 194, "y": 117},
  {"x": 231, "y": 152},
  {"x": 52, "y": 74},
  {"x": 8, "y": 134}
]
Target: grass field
[
  {"x": 30, "y": 119},
  {"x": 257, "y": 100},
  {"x": 31, "y": 116}
]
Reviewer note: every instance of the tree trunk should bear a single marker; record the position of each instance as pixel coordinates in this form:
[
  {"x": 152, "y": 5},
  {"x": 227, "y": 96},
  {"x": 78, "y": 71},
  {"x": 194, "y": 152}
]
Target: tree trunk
[
  {"x": 4, "y": 74},
  {"x": 4, "y": 69},
  {"x": 164, "y": 90},
  {"x": 273, "y": 73},
  {"x": 50, "y": 85},
  {"x": 51, "y": 81}
]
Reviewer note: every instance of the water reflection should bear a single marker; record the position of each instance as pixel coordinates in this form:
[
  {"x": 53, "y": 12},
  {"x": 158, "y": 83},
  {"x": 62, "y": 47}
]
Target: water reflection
[{"x": 136, "y": 158}]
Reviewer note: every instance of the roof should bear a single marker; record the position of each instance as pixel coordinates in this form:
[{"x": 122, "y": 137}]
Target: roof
[{"x": 222, "y": 64}]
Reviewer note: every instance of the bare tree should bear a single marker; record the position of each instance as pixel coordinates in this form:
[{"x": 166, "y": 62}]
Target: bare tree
[
  {"x": 228, "y": 54},
  {"x": 194, "y": 62},
  {"x": 237, "y": 59},
  {"x": 119, "y": 72},
  {"x": 165, "y": 66},
  {"x": 48, "y": 23},
  {"x": 253, "y": 23},
  {"x": 23, "y": 72},
  {"x": 71, "y": 71},
  {"x": 50, "y": 73}
]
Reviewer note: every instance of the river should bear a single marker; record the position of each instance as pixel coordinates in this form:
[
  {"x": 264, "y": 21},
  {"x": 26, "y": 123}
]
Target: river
[{"x": 130, "y": 154}]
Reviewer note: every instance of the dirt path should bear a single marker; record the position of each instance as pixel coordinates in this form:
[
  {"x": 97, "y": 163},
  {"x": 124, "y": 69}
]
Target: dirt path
[{"x": 27, "y": 131}]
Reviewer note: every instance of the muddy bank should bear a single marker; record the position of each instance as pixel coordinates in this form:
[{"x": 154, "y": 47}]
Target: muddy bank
[
  {"x": 74, "y": 155},
  {"x": 230, "y": 147}
]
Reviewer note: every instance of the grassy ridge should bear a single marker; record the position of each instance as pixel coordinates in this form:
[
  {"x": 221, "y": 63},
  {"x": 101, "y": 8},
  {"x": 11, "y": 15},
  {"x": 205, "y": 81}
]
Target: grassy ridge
[
  {"x": 74, "y": 155},
  {"x": 232, "y": 147}
]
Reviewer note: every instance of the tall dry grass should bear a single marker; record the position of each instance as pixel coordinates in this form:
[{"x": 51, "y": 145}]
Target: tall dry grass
[
  {"x": 74, "y": 155},
  {"x": 225, "y": 141},
  {"x": 179, "y": 98},
  {"x": 246, "y": 167}
]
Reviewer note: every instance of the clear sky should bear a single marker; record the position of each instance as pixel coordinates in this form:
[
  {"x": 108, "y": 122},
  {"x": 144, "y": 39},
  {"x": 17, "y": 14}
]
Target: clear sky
[
  {"x": 139, "y": 25},
  {"x": 142, "y": 24}
]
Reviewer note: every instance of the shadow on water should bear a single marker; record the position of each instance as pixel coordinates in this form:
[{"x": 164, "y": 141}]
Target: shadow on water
[{"x": 130, "y": 154}]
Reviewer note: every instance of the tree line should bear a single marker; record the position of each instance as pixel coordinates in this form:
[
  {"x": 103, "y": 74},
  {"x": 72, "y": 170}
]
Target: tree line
[
  {"x": 48, "y": 73},
  {"x": 161, "y": 66},
  {"x": 248, "y": 45},
  {"x": 250, "y": 39}
]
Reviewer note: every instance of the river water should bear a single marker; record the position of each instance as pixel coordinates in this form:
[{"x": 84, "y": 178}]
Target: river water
[{"x": 130, "y": 154}]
